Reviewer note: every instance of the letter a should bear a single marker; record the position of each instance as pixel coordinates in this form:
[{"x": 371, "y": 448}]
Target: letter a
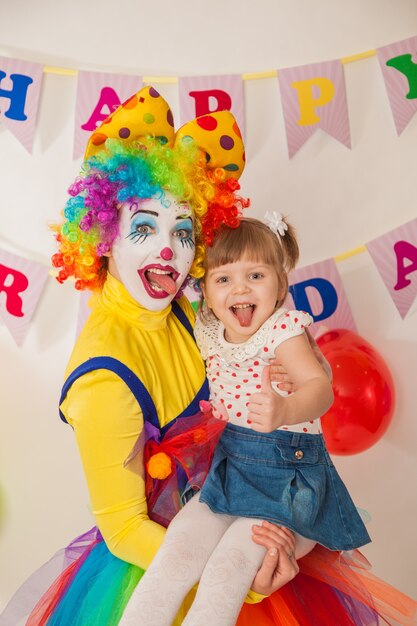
[
  {"x": 405, "y": 250},
  {"x": 108, "y": 98}
]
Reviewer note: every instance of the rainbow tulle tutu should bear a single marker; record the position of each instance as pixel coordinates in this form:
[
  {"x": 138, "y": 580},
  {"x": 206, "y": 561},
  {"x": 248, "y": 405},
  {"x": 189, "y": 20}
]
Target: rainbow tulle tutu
[
  {"x": 332, "y": 589},
  {"x": 85, "y": 585}
]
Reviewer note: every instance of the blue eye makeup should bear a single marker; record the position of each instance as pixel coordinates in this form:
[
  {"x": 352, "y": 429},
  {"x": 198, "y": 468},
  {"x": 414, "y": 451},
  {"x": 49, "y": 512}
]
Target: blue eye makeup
[
  {"x": 141, "y": 227},
  {"x": 184, "y": 232}
]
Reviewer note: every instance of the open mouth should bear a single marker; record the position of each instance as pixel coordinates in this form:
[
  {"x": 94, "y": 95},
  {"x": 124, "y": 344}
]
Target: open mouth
[
  {"x": 159, "y": 281},
  {"x": 243, "y": 313}
]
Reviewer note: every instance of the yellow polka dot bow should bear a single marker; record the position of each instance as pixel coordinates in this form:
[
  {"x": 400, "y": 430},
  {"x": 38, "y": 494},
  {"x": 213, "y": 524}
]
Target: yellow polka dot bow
[{"x": 147, "y": 114}]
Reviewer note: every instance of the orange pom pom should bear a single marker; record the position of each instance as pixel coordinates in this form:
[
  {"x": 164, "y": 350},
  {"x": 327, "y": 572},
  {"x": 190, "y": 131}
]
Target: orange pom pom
[
  {"x": 159, "y": 466},
  {"x": 199, "y": 435}
]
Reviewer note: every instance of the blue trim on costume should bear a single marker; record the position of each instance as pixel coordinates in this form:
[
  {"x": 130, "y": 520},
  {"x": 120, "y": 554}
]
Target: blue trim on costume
[
  {"x": 134, "y": 383},
  {"x": 179, "y": 313},
  {"x": 125, "y": 373},
  {"x": 194, "y": 407}
]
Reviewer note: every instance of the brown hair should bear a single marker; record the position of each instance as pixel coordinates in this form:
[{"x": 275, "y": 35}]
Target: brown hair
[{"x": 254, "y": 239}]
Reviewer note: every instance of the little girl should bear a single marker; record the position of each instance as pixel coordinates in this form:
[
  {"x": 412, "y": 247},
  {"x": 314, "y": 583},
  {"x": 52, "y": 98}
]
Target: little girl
[{"x": 271, "y": 462}]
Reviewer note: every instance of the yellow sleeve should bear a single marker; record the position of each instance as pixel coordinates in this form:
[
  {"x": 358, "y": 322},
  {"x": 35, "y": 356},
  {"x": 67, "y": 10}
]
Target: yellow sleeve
[
  {"x": 107, "y": 421},
  {"x": 253, "y": 597}
]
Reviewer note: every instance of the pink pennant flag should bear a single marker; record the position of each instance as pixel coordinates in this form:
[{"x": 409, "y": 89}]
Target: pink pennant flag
[
  {"x": 398, "y": 63},
  {"x": 84, "y": 310},
  {"x": 98, "y": 95},
  {"x": 313, "y": 97},
  {"x": 318, "y": 290},
  {"x": 21, "y": 284},
  {"x": 200, "y": 95},
  {"x": 395, "y": 257},
  {"x": 20, "y": 87}
]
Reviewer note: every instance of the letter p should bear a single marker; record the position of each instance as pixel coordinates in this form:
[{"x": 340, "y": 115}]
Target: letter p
[{"x": 313, "y": 93}]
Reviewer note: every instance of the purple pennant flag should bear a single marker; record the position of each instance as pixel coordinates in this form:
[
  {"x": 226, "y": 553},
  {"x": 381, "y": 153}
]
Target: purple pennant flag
[
  {"x": 201, "y": 95},
  {"x": 398, "y": 63},
  {"x": 314, "y": 96},
  {"x": 318, "y": 290},
  {"x": 395, "y": 257},
  {"x": 98, "y": 95},
  {"x": 20, "y": 86},
  {"x": 21, "y": 285}
]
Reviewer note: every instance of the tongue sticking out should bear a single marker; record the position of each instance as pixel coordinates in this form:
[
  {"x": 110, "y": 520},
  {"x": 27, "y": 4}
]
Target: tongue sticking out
[
  {"x": 244, "y": 315},
  {"x": 164, "y": 281}
]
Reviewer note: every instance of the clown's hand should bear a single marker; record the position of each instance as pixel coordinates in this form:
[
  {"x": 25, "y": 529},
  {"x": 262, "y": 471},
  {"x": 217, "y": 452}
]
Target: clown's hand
[{"x": 279, "y": 565}]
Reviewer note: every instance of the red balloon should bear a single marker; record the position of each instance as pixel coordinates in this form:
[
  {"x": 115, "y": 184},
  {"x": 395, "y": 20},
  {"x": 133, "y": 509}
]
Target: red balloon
[{"x": 364, "y": 393}]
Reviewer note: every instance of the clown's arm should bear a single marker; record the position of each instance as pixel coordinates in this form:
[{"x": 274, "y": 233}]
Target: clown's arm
[{"x": 107, "y": 422}]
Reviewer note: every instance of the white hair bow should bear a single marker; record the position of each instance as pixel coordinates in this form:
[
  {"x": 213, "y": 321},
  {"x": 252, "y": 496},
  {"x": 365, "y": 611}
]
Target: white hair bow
[{"x": 275, "y": 222}]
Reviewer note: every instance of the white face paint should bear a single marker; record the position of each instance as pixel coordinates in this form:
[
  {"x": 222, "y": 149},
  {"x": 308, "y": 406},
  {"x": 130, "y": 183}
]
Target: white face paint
[{"x": 154, "y": 251}]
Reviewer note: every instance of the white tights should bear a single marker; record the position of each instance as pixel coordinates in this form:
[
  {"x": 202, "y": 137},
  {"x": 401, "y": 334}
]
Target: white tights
[{"x": 199, "y": 545}]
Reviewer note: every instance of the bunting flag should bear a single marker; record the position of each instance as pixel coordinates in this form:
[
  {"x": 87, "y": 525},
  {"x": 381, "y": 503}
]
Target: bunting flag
[
  {"x": 400, "y": 75},
  {"x": 21, "y": 285},
  {"x": 20, "y": 88},
  {"x": 98, "y": 95},
  {"x": 315, "y": 288},
  {"x": 318, "y": 290},
  {"x": 84, "y": 310},
  {"x": 395, "y": 257},
  {"x": 202, "y": 95},
  {"x": 313, "y": 97}
]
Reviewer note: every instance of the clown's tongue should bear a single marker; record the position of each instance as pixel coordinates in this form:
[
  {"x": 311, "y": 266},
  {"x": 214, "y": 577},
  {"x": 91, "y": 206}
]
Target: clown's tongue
[
  {"x": 244, "y": 314},
  {"x": 164, "y": 281}
]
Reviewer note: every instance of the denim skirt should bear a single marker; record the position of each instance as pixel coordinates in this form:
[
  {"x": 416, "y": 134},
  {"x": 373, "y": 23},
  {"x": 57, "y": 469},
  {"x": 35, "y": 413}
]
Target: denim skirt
[{"x": 287, "y": 478}]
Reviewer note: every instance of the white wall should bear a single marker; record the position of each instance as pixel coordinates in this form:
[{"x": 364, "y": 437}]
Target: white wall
[{"x": 337, "y": 198}]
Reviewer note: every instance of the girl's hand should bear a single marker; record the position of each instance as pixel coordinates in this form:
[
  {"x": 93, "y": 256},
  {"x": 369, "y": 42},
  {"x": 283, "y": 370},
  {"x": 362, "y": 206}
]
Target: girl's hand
[
  {"x": 265, "y": 407},
  {"x": 279, "y": 565}
]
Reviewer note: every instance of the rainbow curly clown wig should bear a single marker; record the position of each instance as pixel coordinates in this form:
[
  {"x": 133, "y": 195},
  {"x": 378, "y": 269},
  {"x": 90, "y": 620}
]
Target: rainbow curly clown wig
[{"x": 117, "y": 171}]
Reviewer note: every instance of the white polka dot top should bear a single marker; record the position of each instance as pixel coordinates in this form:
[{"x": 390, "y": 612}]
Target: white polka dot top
[{"x": 234, "y": 369}]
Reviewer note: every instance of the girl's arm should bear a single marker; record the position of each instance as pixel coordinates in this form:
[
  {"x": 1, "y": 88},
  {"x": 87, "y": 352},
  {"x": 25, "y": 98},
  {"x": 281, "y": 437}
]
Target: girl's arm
[
  {"x": 107, "y": 422},
  {"x": 314, "y": 396},
  {"x": 280, "y": 376}
]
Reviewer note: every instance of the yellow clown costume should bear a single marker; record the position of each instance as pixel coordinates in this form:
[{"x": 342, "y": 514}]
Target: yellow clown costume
[{"x": 135, "y": 375}]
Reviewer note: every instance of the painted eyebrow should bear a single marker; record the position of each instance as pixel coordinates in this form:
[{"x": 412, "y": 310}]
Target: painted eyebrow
[
  {"x": 185, "y": 217},
  {"x": 145, "y": 211}
]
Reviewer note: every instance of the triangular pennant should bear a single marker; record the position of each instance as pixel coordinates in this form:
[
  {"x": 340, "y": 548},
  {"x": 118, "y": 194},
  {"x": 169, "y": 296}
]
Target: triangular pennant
[
  {"x": 313, "y": 97},
  {"x": 84, "y": 310},
  {"x": 202, "y": 95},
  {"x": 395, "y": 257},
  {"x": 98, "y": 95},
  {"x": 20, "y": 86},
  {"x": 318, "y": 290},
  {"x": 398, "y": 63},
  {"x": 21, "y": 285}
]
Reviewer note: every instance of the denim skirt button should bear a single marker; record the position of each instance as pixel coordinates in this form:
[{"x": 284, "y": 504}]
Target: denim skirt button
[{"x": 298, "y": 454}]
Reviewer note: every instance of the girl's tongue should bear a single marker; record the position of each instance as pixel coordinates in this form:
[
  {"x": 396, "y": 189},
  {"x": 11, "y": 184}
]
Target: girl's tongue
[
  {"x": 243, "y": 313},
  {"x": 164, "y": 281}
]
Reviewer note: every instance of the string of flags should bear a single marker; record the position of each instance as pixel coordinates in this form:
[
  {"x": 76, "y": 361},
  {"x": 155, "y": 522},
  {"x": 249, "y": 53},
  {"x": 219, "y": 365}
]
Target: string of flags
[
  {"x": 317, "y": 288},
  {"x": 312, "y": 96}
]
